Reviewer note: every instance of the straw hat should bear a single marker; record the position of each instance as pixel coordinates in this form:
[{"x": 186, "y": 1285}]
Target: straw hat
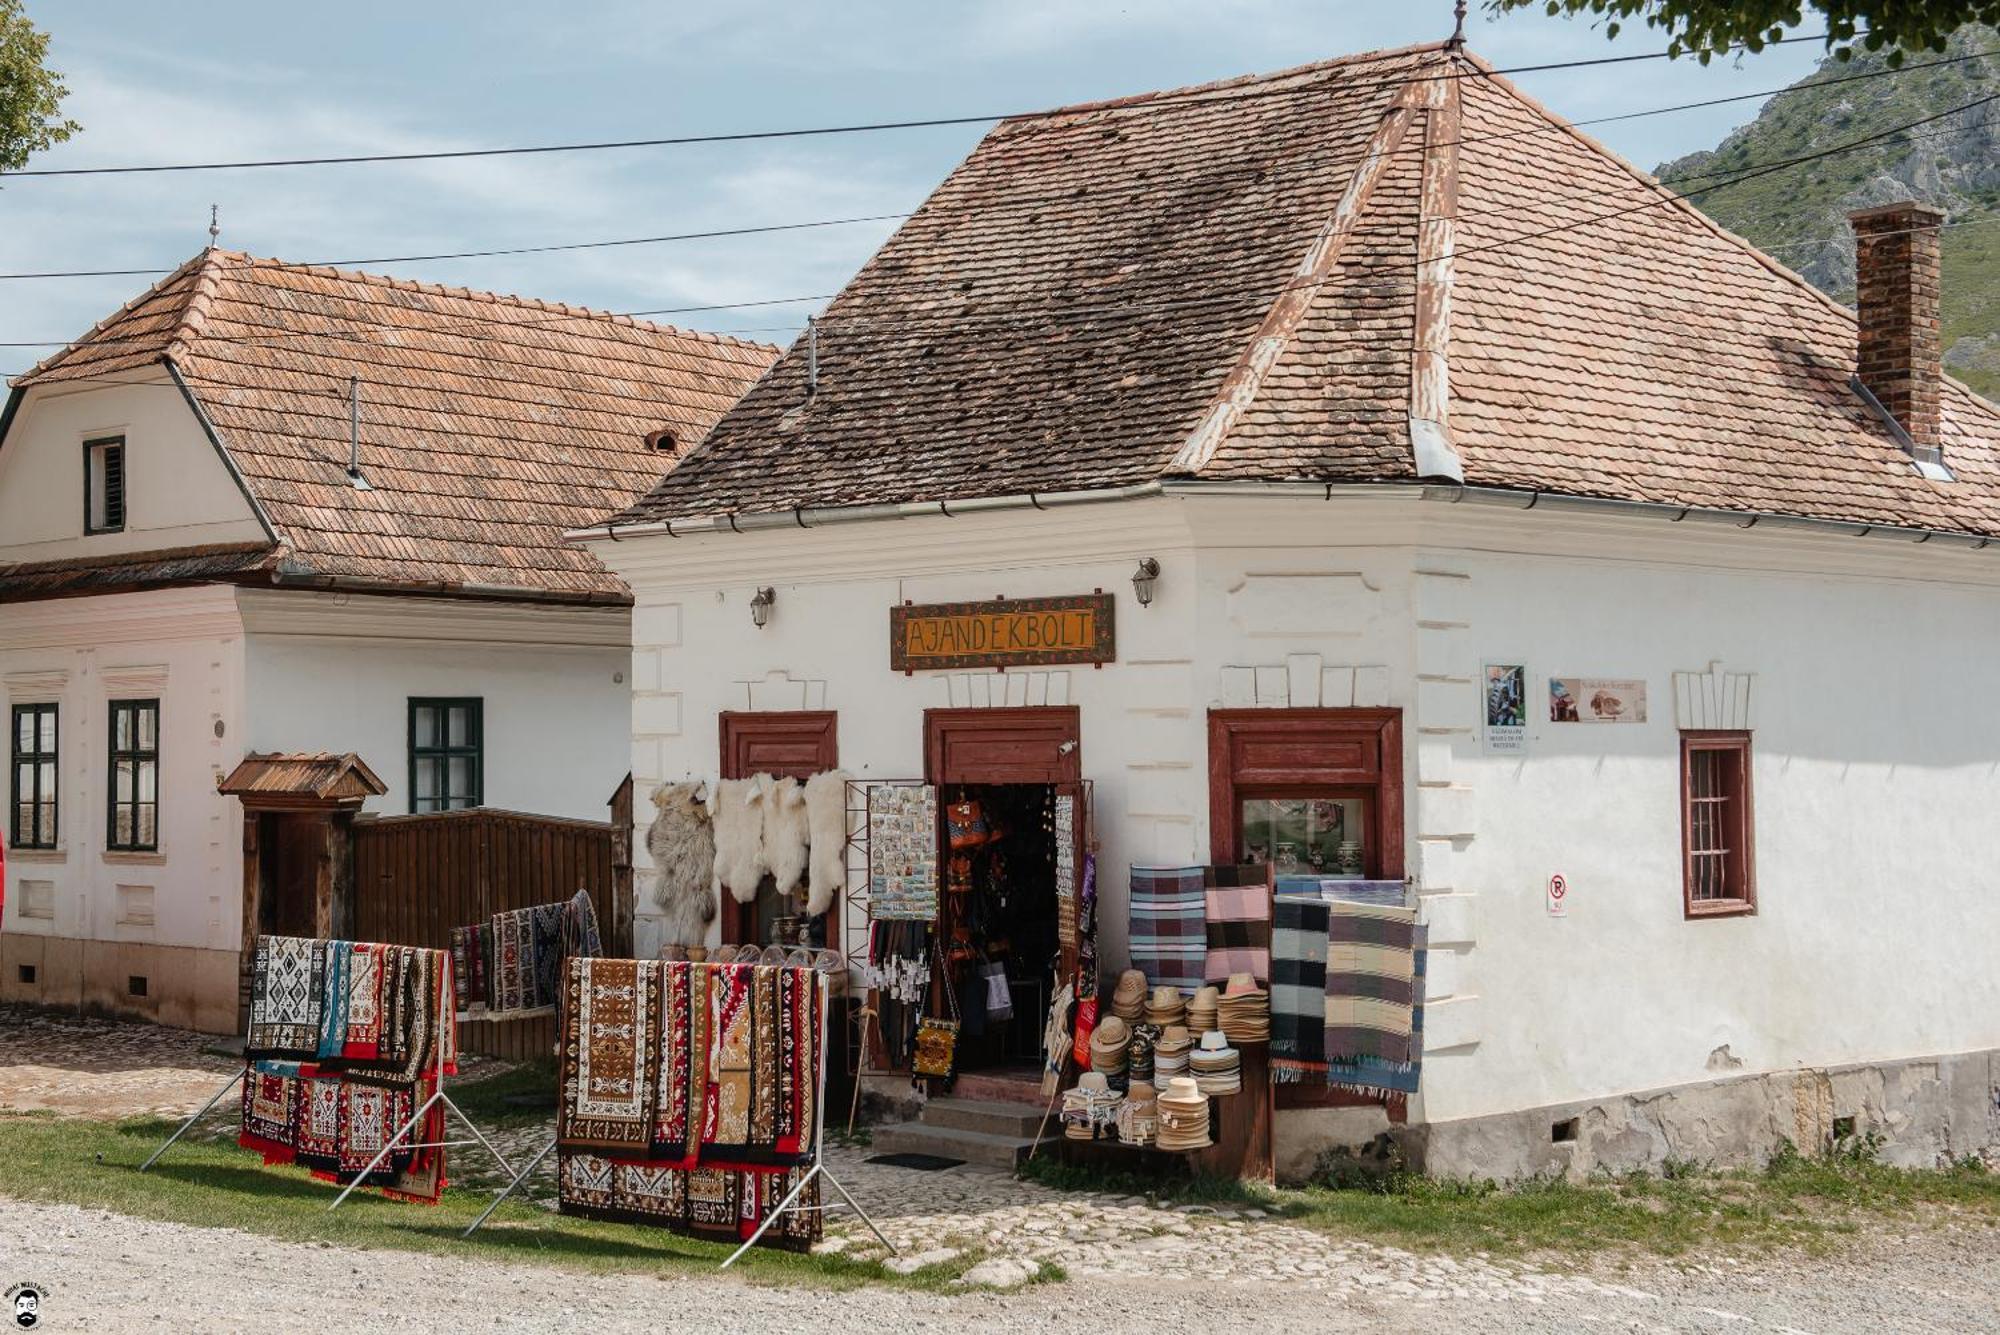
[
  {"x": 1128, "y": 998},
  {"x": 1093, "y": 1082},
  {"x": 1242, "y": 985}
]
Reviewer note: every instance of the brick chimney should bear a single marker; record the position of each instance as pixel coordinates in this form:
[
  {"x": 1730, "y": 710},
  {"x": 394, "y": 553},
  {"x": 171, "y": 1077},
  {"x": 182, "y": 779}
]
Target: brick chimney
[{"x": 1900, "y": 361}]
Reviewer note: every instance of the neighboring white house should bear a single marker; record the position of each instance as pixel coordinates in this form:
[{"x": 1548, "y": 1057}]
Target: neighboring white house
[
  {"x": 1401, "y": 385},
  {"x": 273, "y": 508}
]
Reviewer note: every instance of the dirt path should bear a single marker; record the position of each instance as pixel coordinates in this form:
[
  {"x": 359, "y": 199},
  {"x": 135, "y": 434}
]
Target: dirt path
[{"x": 107, "y": 1272}]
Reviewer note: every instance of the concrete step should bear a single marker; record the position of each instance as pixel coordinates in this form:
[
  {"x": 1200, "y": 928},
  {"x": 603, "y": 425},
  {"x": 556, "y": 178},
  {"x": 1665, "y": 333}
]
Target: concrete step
[
  {"x": 1002, "y": 1088},
  {"x": 974, "y": 1147},
  {"x": 995, "y": 1119}
]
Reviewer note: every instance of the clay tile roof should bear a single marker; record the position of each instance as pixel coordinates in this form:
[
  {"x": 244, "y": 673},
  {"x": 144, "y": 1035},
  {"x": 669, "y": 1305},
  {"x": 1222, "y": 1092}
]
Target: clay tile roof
[
  {"x": 319, "y": 775},
  {"x": 1281, "y": 278},
  {"x": 28, "y": 581},
  {"x": 489, "y": 424}
]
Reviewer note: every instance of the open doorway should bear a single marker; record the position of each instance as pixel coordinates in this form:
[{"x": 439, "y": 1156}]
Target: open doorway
[{"x": 1002, "y": 776}]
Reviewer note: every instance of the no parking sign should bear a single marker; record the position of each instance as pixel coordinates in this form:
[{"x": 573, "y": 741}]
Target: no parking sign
[{"x": 1558, "y": 896}]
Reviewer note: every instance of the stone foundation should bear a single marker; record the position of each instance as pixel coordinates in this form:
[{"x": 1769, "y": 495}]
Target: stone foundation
[
  {"x": 186, "y": 987},
  {"x": 1927, "y": 1111}
]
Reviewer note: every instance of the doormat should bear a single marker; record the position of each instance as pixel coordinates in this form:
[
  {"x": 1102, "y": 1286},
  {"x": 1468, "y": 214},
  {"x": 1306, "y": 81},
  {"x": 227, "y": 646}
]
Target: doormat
[{"x": 923, "y": 1163}]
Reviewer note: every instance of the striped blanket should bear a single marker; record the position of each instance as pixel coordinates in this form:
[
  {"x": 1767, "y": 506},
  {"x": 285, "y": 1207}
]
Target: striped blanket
[
  {"x": 1238, "y": 905},
  {"x": 1298, "y": 989},
  {"x": 1393, "y": 1081},
  {"x": 1370, "y": 977},
  {"x": 1169, "y": 928},
  {"x": 1389, "y": 894}
]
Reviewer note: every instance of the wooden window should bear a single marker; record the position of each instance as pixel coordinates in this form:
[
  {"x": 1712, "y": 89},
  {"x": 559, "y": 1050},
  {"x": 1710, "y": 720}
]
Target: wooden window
[
  {"x": 447, "y": 754},
  {"x": 32, "y": 815},
  {"x": 1718, "y": 862},
  {"x": 104, "y": 485},
  {"x": 134, "y": 824}
]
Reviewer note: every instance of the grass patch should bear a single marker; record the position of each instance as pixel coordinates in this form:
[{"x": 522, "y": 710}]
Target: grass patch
[
  {"x": 1812, "y": 1204},
  {"x": 206, "y": 1180}
]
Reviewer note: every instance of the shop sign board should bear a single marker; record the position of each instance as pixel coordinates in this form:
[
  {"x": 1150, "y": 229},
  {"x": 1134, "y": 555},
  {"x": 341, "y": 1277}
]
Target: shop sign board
[
  {"x": 1003, "y": 633},
  {"x": 1596, "y": 700}
]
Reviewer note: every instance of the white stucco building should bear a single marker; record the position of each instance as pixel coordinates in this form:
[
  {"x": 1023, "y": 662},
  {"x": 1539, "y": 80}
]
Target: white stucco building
[
  {"x": 268, "y": 508},
  {"x": 1398, "y": 380}
]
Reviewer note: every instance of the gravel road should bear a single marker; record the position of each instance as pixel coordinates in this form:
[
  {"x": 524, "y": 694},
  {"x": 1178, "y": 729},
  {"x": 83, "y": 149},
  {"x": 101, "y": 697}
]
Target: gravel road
[{"x": 105, "y": 1272}]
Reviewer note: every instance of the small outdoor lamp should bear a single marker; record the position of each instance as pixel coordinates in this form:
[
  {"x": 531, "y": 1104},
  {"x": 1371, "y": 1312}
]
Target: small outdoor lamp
[
  {"x": 760, "y": 605},
  {"x": 1143, "y": 580}
]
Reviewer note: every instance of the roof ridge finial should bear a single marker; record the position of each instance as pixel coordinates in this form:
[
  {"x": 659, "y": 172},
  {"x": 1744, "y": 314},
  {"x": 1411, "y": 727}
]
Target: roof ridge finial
[
  {"x": 214, "y": 224},
  {"x": 1457, "y": 41}
]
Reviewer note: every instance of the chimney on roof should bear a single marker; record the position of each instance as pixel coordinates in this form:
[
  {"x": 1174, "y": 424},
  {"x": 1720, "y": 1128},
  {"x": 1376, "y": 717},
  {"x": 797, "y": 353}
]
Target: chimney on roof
[{"x": 1899, "y": 362}]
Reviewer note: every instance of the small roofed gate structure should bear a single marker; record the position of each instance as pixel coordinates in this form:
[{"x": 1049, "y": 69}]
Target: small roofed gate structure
[
  {"x": 298, "y": 811},
  {"x": 417, "y": 877}
]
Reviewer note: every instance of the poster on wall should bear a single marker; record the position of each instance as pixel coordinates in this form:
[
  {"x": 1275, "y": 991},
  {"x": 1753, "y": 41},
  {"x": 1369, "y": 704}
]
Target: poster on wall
[
  {"x": 1506, "y": 708},
  {"x": 1596, "y": 700}
]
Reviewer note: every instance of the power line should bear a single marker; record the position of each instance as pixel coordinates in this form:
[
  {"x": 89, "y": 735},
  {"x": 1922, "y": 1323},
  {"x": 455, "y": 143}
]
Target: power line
[
  {"x": 1147, "y": 103},
  {"x": 1544, "y": 128}
]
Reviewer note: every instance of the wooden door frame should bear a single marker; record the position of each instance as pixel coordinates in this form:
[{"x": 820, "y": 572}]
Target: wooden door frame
[
  {"x": 942, "y": 725},
  {"x": 787, "y": 743}
]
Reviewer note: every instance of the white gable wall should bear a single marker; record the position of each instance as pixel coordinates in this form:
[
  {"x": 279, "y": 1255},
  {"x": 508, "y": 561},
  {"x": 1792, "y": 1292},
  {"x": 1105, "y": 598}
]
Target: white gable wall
[{"x": 178, "y": 491}]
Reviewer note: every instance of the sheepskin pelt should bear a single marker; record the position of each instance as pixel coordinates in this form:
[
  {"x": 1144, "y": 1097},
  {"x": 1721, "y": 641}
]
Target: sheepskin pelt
[
  {"x": 736, "y": 806},
  {"x": 826, "y": 817},
  {"x": 682, "y": 844},
  {"x": 785, "y": 832}
]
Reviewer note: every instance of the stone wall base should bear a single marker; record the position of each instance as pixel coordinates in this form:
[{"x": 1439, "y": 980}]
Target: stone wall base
[{"x": 186, "y": 987}]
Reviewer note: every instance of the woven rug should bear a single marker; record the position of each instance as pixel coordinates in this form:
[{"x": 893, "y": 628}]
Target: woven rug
[
  {"x": 513, "y": 960},
  {"x": 333, "y": 1000},
  {"x": 1394, "y": 1082},
  {"x": 610, "y": 1054},
  {"x": 464, "y": 949},
  {"x": 545, "y": 925},
  {"x": 682, "y": 1074},
  {"x": 722, "y": 1204},
  {"x": 1237, "y": 901},
  {"x": 363, "y": 1030},
  {"x": 1169, "y": 925},
  {"x": 1298, "y": 988},
  {"x": 270, "y": 1113},
  {"x": 579, "y": 927},
  {"x": 1370, "y": 973},
  {"x": 287, "y": 997}
]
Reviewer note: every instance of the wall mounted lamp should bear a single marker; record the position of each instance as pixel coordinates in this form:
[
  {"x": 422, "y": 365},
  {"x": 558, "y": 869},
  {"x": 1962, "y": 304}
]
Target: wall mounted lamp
[
  {"x": 760, "y": 605},
  {"x": 1143, "y": 579}
]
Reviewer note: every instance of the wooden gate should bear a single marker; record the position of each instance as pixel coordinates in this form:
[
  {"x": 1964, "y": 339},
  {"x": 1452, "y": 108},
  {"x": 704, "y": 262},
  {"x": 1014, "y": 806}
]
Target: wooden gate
[{"x": 417, "y": 877}]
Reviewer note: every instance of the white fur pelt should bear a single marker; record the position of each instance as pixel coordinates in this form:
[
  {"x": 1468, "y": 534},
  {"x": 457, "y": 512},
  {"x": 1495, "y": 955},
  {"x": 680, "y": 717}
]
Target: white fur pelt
[
  {"x": 785, "y": 832},
  {"x": 826, "y": 817},
  {"x": 682, "y": 844},
  {"x": 736, "y": 807}
]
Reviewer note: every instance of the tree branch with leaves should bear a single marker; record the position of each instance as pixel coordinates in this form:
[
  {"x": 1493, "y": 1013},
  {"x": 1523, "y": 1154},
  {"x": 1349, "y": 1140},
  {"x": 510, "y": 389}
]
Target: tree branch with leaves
[
  {"x": 31, "y": 93},
  {"x": 1706, "y": 28}
]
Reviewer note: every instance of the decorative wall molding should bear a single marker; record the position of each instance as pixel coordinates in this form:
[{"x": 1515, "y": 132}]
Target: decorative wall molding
[
  {"x": 781, "y": 691},
  {"x": 1294, "y": 604},
  {"x": 137, "y": 677},
  {"x": 997, "y": 690},
  {"x": 29, "y": 687},
  {"x": 1302, "y": 681},
  {"x": 1713, "y": 699}
]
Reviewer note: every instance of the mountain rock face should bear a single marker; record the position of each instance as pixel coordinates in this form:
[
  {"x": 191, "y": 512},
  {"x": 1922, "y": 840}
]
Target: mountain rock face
[{"x": 1799, "y": 214}]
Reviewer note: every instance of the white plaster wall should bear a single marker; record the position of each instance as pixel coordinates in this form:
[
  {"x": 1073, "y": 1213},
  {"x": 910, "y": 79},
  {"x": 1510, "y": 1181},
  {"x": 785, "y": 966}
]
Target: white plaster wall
[
  {"x": 178, "y": 492},
  {"x": 1877, "y": 753},
  {"x": 1876, "y": 781},
  {"x": 336, "y": 674},
  {"x": 184, "y": 646}
]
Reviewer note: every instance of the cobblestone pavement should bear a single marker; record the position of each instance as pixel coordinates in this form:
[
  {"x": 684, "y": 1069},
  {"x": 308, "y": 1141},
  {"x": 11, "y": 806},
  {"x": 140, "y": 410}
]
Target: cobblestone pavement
[{"x": 82, "y": 1067}]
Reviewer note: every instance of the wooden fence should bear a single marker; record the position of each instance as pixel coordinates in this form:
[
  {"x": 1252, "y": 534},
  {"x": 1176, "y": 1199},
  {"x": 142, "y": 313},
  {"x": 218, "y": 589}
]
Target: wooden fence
[{"x": 417, "y": 877}]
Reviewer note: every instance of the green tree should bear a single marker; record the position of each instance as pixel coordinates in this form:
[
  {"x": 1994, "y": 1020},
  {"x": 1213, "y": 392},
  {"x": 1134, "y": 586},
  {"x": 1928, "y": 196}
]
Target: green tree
[
  {"x": 31, "y": 94},
  {"x": 1705, "y": 27}
]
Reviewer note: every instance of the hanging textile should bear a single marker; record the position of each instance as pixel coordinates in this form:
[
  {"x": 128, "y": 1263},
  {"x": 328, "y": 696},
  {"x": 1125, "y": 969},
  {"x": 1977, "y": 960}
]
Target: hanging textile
[
  {"x": 1298, "y": 988},
  {"x": 1370, "y": 981},
  {"x": 722, "y": 1204},
  {"x": 609, "y": 1047},
  {"x": 514, "y": 958},
  {"x": 1169, "y": 928},
  {"x": 902, "y": 852},
  {"x": 1388, "y": 894},
  {"x": 287, "y": 994},
  {"x": 1066, "y": 888},
  {"x": 1391, "y": 1080},
  {"x": 580, "y": 937},
  {"x": 1237, "y": 902}
]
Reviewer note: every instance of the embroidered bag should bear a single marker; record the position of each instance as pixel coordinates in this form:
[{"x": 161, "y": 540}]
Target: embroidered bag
[
  {"x": 965, "y": 825},
  {"x": 937, "y": 1039}
]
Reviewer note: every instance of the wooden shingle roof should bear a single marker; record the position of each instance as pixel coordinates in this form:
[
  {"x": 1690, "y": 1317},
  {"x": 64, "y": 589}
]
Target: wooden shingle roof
[
  {"x": 489, "y": 424},
  {"x": 1314, "y": 276}
]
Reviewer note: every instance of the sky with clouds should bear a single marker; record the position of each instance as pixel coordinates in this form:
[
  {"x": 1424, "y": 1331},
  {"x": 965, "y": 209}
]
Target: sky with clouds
[{"x": 249, "y": 79}]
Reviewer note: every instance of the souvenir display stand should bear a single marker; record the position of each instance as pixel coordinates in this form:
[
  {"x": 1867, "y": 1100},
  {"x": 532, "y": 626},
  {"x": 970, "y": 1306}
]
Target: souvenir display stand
[
  {"x": 816, "y": 1169},
  {"x": 395, "y": 1142}
]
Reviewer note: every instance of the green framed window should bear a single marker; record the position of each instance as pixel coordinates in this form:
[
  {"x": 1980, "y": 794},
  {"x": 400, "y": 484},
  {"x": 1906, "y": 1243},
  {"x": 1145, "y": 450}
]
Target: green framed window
[
  {"x": 134, "y": 823},
  {"x": 31, "y": 816},
  {"x": 447, "y": 753}
]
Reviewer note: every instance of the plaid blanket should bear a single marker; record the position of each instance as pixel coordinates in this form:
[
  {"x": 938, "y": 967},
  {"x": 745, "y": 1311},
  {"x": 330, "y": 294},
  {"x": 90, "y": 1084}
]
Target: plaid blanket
[
  {"x": 1389, "y": 894},
  {"x": 1298, "y": 988},
  {"x": 1238, "y": 902},
  {"x": 1169, "y": 931},
  {"x": 1370, "y": 975},
  {"x": 1394, "y": 1081}
]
